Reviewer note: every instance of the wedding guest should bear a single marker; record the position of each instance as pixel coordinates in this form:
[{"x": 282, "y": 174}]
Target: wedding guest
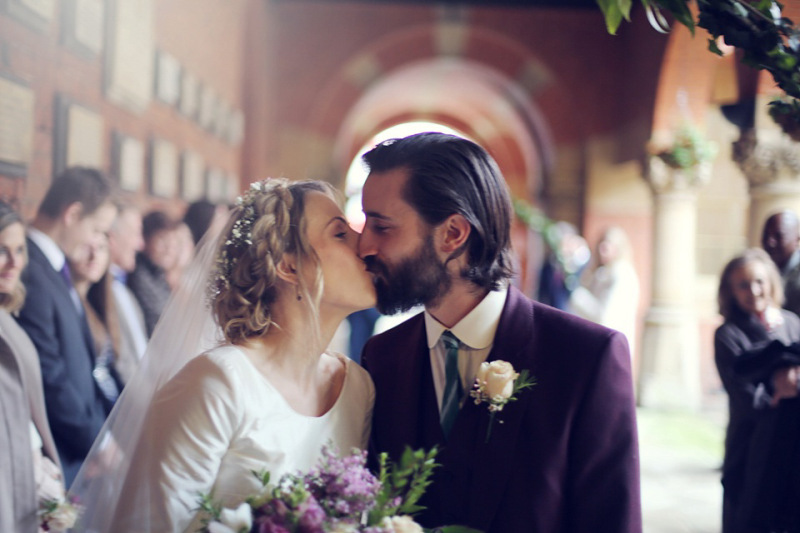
[
  {"x": 564, "y": 455},
  {"x": 757, "y": 472},
  {"x": 781, "y": 240},
  {"x": 202, "y": 216},
  {"x": 93, "y": 283},
  {"x": 609, "y": 290},
  {"x": 563, "y": 265},
  {"x": 148, "y": 281},
  {"x": 124, "y": 241},
  {"x": 31, "y": 470},
  {"x": 75, "y": 214},
  {"x": 185, "y": 245}
]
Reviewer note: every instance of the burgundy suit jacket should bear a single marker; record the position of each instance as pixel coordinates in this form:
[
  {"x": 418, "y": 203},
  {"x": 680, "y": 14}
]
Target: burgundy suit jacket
[{"x": 563, "y": 458}]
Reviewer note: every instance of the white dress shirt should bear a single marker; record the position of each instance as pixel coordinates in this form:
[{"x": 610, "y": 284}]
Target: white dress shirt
[{"x": 476, "y": 332}]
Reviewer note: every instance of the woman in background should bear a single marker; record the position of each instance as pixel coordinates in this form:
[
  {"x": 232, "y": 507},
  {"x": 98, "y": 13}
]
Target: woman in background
[
  {"x": 92, "y": 281},
  {"x": 31, "y": 471},
  {"x": 761, "y": 414},
  {"x": 609, "y": 291}
]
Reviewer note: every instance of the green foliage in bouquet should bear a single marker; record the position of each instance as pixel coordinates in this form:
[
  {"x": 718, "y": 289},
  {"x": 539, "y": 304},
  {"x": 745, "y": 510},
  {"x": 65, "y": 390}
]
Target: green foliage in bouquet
[{"x": 339, "y": 495}]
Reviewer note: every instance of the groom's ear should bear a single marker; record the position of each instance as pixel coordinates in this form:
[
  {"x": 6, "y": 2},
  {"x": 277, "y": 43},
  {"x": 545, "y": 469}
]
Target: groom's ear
[
  {"x": 454, "y": 233},
  {"x": 287, "y": 269}
]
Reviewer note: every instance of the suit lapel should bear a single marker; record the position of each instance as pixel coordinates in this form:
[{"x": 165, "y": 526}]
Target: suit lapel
[{"x": 490, "y": 477}]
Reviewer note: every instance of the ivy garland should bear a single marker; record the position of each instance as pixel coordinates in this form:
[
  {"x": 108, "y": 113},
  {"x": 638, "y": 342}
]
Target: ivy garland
[{"x": 768, "y": 40}]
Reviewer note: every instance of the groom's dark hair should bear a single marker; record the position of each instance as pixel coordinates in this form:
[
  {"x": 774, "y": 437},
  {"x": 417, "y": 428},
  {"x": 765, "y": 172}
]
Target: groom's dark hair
[{"x": 449, "y": 175}]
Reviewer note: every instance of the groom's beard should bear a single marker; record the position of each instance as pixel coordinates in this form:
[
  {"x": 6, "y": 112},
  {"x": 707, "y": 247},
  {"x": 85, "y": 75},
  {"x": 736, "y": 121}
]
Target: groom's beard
[{"x": 421, "y": 279}]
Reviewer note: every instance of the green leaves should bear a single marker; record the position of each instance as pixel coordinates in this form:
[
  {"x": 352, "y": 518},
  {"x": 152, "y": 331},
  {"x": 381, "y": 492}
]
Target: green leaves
[
  {"x": 403, "y": 483},
  {"x": 614, "y": 11}
]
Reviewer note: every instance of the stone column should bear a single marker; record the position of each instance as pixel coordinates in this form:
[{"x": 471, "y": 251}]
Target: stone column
[
  {"x": 771, "y": 164},
  {"x": 670, "y": 368}
]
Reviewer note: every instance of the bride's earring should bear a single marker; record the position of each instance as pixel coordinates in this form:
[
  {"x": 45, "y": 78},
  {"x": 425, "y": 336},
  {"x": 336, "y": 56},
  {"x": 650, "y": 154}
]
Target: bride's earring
[{"x": 297, "y": 288}]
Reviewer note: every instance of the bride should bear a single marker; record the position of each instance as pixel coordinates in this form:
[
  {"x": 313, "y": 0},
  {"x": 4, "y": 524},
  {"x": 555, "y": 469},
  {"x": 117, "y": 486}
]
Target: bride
[{"x": 283, "y": 275}]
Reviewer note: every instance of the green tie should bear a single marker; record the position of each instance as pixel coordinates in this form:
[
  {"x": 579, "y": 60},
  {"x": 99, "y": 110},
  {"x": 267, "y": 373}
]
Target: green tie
[{"x": 453, "y": 391}]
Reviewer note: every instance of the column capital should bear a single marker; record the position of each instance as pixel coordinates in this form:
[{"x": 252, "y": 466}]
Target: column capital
[
  {"x": 765, "y": 162},
  {"x": 664, "y": 179}
]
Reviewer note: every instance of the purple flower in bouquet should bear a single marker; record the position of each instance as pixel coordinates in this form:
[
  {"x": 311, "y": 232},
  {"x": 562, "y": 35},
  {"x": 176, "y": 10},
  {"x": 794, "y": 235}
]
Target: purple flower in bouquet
[
  {"x": 312, "y": 517},
  {"x": 343, "y": 486}
]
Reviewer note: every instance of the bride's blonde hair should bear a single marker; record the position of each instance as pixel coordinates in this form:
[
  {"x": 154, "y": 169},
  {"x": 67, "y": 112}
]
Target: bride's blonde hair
[{"x": 267, "y": 223}]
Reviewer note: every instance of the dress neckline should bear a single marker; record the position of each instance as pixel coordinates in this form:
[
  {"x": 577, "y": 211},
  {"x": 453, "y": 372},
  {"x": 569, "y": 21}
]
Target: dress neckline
[{"x": 344, "y": 360}]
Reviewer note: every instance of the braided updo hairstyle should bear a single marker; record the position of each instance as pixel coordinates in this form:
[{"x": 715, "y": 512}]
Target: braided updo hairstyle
[{"x": 267, "y": 223}]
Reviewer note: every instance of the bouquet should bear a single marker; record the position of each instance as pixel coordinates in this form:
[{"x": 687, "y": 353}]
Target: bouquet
[
  {"x": 56, "y": 515},
  {"x": 340, "y": 495}
]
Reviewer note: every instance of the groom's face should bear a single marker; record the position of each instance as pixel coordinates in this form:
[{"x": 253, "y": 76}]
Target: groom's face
[{"x": 398, "y": 247}]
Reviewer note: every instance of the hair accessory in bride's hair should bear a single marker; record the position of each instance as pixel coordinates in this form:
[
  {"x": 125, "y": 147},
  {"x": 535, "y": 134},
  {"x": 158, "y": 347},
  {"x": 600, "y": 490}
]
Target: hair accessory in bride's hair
[{"x": 239, "y": 238}]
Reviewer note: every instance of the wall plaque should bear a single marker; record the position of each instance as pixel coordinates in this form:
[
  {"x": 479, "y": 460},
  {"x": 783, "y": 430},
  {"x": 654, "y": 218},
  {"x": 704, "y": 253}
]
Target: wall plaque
[
  {"x": 34, "y": 13},
  {"x": 79, "y": 136},
  {"x": 130, "y": 58},
  {"x": 163, "y": 168},
  {"x": 16, "y": 127},
  {"x": 190, "y": 95},
  {"x": 83, "y": 23},
  {"x": 192, "y": 182},
  {"x": 168, "y": 78},
  {"x": 128, "y": 162}
]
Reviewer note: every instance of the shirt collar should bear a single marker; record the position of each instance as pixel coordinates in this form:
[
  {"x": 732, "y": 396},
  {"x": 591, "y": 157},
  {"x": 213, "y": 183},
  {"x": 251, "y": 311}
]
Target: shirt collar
[
  {"x": 49, "y": 248},
  {"x": 477, "y": 328}
]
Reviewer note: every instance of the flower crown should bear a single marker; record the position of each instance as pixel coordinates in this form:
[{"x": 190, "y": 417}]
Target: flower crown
[{"x": 240, "y": 236}]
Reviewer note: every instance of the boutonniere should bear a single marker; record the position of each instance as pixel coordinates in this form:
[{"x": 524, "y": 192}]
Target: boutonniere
[{"x": 496, "y": 384}]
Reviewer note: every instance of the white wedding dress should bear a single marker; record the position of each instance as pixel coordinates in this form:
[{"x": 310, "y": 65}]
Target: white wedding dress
[{"x": 216, "y": 422}]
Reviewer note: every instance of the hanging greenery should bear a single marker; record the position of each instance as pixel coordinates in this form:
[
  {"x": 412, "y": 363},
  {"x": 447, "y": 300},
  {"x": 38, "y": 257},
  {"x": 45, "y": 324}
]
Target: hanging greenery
[{"x": 768, "y": 40}]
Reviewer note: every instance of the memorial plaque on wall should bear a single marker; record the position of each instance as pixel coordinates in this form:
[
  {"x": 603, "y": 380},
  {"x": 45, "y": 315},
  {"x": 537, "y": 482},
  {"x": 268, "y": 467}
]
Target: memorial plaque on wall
[
  {"x": 16, "y": 127},
  {"x": 236, "y": 128},
  {"x": 192, "y": 183},
  {"x": 208, "y": 107},
  {"x": 84, "y": 26},
  {"x": 168, "y": 78},
  {"x": 78, "y": 134},
  {"x": 216, "y": 189},
  {"x": 190, "y": 95},
  {"x": 35, "y": 13},
  {"x": 130, "y": 58},
  {"x": 128, "y": 162},
  {"x": 163, "y": 169}
]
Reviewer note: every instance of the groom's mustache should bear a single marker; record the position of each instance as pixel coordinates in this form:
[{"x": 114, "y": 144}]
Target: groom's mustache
[{"x": 376, "y": 267}]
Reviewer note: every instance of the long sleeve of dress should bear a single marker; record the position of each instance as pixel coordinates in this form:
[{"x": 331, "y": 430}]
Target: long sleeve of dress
[{"x": 188, "y": 430}]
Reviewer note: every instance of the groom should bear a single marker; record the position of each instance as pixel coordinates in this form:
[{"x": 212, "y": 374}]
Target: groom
[{"x": 564, "y": 456}]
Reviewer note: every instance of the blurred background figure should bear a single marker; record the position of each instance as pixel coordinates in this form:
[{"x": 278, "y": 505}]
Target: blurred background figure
[
  {"x": 161, "y": 254},
  {"x": 185, "y": 244},
  {"x": 93, "y": 283},
  {"x": 31, "y": 471},
  {"x": 362, "y": 327},
  {"x": 75, "y": 214},
  {"x": 781, "y": 240},
  {"x": 567, "y": 256},
  {"x": 203, "y": 215},
  {"x": 124, "y": 241},
  {"x": 609, "y": 290},
  {"x": 760, "y": 476}
]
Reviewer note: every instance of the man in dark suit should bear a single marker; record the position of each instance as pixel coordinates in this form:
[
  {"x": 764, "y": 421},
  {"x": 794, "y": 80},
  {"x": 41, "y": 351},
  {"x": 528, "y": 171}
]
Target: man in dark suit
[
  {"x": 563, "y": 457},
  {"x": 75, "y": 214}
]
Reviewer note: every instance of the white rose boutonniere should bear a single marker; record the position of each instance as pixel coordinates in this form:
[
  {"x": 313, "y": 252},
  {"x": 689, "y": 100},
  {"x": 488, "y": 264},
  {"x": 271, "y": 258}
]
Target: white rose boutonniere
[{"x": 497, "y": 383}]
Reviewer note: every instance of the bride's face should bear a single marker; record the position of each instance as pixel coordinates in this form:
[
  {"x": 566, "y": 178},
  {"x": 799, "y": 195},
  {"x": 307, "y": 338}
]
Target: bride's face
[{"x": 346, "y": 283}]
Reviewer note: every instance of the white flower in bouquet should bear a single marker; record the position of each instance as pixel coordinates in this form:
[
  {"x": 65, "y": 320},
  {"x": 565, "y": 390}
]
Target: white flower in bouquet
[
  {"x": 400, "y": 524},
  {"x": 233, "y": 520}
]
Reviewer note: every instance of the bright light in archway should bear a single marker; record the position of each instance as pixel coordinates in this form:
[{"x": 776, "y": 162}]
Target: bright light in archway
[{"x": 357, "y": 174}]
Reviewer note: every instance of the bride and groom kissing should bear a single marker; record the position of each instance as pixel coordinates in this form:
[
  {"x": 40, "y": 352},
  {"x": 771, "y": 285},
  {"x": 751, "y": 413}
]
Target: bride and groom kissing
[{"x": 288, "y": 269}]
